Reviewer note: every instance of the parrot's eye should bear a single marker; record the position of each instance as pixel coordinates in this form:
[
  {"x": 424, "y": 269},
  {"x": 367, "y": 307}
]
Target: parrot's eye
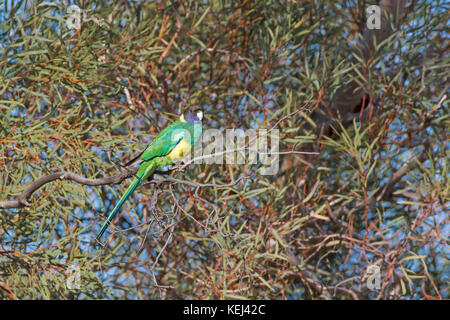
[{"x": 200, "y": 115}]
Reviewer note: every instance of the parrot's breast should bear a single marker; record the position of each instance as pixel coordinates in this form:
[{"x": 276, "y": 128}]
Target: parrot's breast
[{"x": 181, "y": 149}]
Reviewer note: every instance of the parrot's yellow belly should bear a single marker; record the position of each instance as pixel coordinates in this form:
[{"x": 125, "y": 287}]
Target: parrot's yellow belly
[{"x": 181, "y": 149}]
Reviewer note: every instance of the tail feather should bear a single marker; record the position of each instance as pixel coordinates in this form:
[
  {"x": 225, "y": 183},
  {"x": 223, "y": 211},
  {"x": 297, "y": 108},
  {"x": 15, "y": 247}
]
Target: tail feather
[
  {"x": 145, "y": 170},
  {"x": 119, "y": 204}
]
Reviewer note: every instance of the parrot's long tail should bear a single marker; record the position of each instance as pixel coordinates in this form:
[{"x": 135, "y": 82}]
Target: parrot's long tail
[
  {"x": 143, "y": 173},
  {"x": 119, "y": 204}
]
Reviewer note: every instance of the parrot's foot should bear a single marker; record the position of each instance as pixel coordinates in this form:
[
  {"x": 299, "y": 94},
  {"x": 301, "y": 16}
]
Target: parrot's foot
[{"x": 179, "y": 166}]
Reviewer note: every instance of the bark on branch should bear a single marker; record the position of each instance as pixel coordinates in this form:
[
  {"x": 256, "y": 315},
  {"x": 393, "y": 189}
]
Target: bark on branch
[{"x": 22, "y": 199}]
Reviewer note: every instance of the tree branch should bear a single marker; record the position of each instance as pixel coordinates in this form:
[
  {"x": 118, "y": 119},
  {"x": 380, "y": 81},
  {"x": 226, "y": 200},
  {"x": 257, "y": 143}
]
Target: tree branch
[{"x": 22, "y": 199}]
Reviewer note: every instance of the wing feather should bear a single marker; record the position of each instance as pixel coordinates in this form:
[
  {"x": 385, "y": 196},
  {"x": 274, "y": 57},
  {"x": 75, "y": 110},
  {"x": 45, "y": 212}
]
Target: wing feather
[{"x": 164, "y": 143}]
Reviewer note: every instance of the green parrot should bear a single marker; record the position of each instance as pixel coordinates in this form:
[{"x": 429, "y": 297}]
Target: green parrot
[{"x": 171, "y": 144}]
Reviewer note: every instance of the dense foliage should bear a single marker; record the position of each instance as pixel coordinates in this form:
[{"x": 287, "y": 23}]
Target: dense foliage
[{"x": 371, "y": 188}]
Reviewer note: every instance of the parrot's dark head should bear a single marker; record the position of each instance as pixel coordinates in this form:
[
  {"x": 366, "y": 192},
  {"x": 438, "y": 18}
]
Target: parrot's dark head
[{"x": 193, "y": 115}]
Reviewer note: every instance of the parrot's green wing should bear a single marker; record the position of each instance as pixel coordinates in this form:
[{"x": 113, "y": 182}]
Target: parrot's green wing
[{"x": 164, "y": 142}]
